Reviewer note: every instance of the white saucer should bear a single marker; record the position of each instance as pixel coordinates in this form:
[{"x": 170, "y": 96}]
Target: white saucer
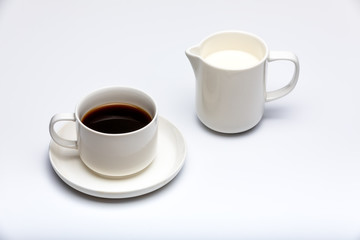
[{"x": 171, "y": 156}]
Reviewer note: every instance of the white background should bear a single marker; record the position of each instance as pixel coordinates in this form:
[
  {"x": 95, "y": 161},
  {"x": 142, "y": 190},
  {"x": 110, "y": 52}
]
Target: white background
[{"x": 295, "y": 176}]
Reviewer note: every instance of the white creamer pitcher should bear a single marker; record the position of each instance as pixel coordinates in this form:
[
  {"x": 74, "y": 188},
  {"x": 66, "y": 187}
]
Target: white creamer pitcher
[{"x": 230, "y": 69}]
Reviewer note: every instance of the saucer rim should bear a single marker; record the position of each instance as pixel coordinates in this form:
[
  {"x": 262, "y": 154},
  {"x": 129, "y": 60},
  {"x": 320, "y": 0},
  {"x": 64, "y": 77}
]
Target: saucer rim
[{"x": 131, "y": 193}]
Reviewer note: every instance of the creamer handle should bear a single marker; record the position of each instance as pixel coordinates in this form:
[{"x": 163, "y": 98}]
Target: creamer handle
[{"x": 288, "y": 56}]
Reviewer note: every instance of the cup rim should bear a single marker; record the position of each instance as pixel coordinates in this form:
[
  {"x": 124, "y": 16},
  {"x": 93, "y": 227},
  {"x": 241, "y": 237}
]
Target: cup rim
[
  {"x": 154, "y": 118},
  {"x": 236, "y": 32}
]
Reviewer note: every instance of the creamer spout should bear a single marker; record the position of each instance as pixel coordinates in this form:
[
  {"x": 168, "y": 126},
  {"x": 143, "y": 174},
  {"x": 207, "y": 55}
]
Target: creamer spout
[{"x": 193, "y": 55}]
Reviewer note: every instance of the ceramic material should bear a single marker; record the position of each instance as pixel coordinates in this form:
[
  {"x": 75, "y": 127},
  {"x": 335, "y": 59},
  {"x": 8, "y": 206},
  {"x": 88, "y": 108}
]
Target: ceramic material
[
  {"x": 169, "y": 161},
  {"x": 112, "y": 155},
  {"x": 230, "y": 69}
]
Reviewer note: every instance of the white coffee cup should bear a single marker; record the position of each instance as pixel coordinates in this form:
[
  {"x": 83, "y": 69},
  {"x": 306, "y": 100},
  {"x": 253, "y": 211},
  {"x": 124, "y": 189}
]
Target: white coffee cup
[
  {"x": 109, "y": 154},
  {"x": 230, "y": 69}
]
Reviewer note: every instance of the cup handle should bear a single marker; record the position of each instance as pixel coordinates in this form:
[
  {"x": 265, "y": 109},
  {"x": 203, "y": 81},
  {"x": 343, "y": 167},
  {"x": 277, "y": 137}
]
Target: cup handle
[
  {"x": 288, "y": 56},
  {"x": 60, "y": 140}
]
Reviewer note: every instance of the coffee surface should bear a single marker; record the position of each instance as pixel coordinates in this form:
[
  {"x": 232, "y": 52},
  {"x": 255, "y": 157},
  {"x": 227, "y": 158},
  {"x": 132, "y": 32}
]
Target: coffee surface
[{"x": 116, "y": 118}]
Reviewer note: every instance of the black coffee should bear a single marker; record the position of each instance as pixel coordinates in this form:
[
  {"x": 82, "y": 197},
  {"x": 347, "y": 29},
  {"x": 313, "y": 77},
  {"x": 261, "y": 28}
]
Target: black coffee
[{"x": 116, "y": 118}]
